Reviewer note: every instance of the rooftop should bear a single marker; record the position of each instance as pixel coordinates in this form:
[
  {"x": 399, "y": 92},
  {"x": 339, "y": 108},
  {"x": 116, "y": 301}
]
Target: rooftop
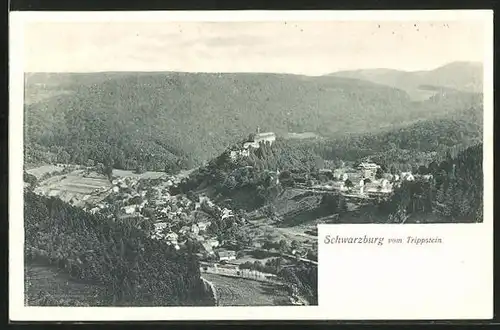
[
  {"x": 226, "y": 253},
  {"x": 368, "y": 165}
]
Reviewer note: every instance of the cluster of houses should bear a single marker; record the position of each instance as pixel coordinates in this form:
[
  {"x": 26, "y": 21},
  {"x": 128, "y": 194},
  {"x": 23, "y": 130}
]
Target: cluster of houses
[
  {"x": 363, "y": 179},
  {"x": 210, "y": 245},
  {"x": 134, "y": 198},
  {"x": 196, "y": 226},
  {"x": 176, "y": 216}
]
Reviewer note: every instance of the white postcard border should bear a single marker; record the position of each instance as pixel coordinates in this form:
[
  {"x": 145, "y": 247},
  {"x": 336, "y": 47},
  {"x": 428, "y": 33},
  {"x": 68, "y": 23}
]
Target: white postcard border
[{"x": 19, "y": 312}]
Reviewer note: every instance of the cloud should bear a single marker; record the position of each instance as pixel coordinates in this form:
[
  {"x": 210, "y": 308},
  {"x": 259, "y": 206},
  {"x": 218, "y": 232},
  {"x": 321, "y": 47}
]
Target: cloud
[{"x": 293, "y": 47}]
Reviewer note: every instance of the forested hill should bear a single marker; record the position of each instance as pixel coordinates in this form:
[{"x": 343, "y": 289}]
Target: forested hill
[
  {"x": 250, "y": 181},
  {"x": 158, "y": 120},
  {"x": 414, "y": 145},
  {"x": 462, "y": 76}
]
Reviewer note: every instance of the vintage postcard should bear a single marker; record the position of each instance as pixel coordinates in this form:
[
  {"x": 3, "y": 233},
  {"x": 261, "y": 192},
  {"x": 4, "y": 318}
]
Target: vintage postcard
[{"x": 261, "y": 165}]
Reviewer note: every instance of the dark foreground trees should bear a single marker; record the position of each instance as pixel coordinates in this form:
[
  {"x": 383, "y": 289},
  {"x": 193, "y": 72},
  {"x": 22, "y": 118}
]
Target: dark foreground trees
[
  {"x": 454, "y": 191},
  {"x": 134, "y": 269},
  {"x": 304, "y": 279}
]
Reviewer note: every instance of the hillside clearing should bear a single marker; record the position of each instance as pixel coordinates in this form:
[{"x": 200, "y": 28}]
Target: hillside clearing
[
  {"x": 242, "y": 292},
  {"x": 47, "y": 286},
  {"x": 42, "y": 170}
]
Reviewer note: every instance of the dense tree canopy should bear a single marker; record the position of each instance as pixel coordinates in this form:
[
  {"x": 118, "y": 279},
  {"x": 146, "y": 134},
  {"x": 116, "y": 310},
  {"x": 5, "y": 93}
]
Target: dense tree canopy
[
  {"x": 454, "y": 192},
  {"x": 133, "y": 268}
]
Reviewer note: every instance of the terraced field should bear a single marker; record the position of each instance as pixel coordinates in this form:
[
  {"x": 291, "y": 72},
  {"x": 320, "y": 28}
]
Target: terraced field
[
  {"x": 75, "y": 187},
  {"x": 234, "y": 291}
]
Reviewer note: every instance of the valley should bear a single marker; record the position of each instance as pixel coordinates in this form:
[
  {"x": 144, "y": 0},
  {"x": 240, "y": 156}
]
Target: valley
[{"x": 139, "y": 180}]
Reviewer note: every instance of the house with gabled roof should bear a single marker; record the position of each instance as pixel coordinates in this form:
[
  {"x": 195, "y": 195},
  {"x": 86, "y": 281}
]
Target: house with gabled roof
[{"x": 226, "y": 255}]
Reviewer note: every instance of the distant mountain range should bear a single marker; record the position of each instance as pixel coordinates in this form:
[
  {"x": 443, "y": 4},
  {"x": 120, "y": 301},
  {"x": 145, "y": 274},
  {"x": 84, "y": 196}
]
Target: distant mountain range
[
  {"x": 461, "y": 76},
  {"x": 156, "y": 118}
]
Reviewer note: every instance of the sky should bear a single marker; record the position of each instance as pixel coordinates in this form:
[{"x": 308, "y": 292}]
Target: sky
[{"x": 309, "y": 48}]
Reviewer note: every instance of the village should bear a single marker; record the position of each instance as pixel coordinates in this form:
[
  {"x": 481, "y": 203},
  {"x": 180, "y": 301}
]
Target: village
[
  {"x": 177, "y": 218},
  {"x": 152, "y": 201},
  {"x": 366, "y": 179}
]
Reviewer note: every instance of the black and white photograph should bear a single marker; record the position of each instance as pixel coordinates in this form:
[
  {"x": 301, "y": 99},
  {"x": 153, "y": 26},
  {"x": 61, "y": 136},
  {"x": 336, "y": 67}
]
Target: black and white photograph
[{"x": 188, "y": 163}]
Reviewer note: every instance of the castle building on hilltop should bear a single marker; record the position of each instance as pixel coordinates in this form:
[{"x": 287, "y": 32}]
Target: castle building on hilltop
[
  {"x": 257, "y": 138},
  {"x": 267, "y": 137},
  {"x": 368, "y": 169},
  {"x": 254, "y": 141}
]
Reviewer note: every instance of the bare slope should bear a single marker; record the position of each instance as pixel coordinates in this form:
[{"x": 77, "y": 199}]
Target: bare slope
[
  {"x": 234, "y": 291},
  {"x": 48, "y": 286}
]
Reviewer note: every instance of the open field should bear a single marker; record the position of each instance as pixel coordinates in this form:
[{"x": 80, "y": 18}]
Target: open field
[
  {"x": 293, "y": 199},
  {"x": 249, "y": 258},
  {"x": 298, "y": 232},
  {"x": 145, "y": 175},
  {"x": 76, "y": 187},
  {"x": 234, "y": 291},
  {"x": 47, "y": 286},
  {"x": 42, "y": 170},
  {"x": 301, "y": 136},
  {"x": 266, "y": 229}
]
